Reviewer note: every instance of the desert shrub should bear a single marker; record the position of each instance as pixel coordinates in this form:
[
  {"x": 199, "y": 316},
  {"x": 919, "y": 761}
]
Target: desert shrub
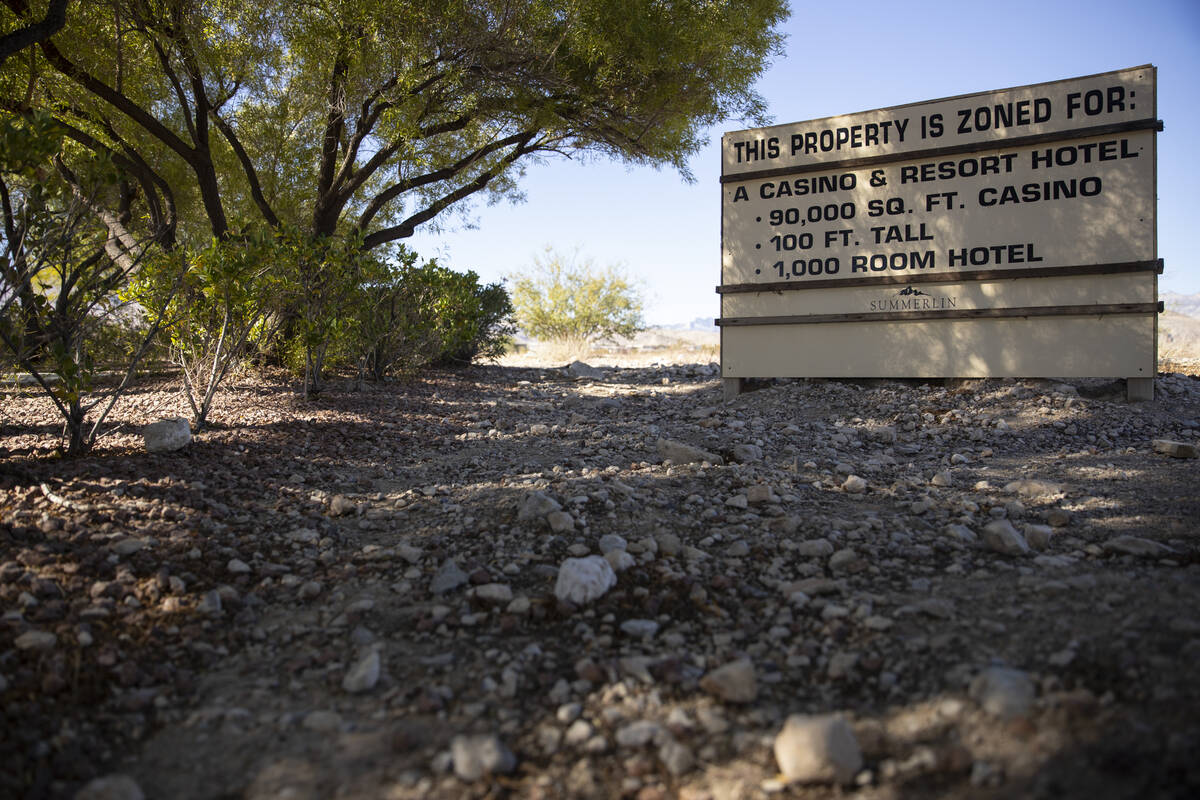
[
  {"x": 411, "y": 314},
  {"x": 576, "y": 303}
]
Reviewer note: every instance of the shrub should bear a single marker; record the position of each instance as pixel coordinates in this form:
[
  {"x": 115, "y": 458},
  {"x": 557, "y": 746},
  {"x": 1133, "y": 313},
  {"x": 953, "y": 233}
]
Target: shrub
[{"x": 575, "y": 303}]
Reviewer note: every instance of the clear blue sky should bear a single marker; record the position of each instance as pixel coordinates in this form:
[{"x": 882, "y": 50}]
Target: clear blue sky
[{"x": 843, "y": 58}]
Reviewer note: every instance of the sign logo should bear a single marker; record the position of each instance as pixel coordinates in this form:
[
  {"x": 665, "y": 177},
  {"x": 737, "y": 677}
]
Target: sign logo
[{"x": 912, "y": 299}]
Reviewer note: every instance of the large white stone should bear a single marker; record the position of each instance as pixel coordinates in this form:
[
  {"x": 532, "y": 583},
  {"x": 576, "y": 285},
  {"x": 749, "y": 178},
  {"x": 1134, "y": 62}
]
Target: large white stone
[
  {"x": 1003, "y": 692},
  {"x": 582, "y": 580},
  {"x": 167, "y": 435},
  {"x": 818, "y": 749}
]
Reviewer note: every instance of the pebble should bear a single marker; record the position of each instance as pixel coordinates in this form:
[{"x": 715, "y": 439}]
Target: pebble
[
  {"x": 323, "y": 721},
  {"x": 582, "y": 580},
  {"x": 494, "y": 593},
  {"x": 854, "y": 485},
  {"x": 677, "y": 757},
  {"x": 1003, "y": 692},
  {"x": 363, "y": 676},
  {"x": 734, "y": 682},
  {"x": 111, "y": 787},
  {"x": 680, "y": 453},
  {"x": 448, "y": 578},
  {"x": 639, "y": 628},
  {"x": 480, "y": 755},
  {"x": 1136, "y": 546},
  {"x": 638, "y": 733},
  {"x": 1001, "y": 537},
  {"x": 818, "y": 749},
  {"x": 237, "y": 566},
  {"x": 36, "y": 641},
  {"x": 536, "y": 506}
]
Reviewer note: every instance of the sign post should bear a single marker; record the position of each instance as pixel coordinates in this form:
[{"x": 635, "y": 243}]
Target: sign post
[{"x": 1000, "y": 234}]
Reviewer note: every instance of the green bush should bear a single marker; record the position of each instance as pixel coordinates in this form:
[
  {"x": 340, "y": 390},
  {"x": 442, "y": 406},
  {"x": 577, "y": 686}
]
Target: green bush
[
  {"x": 575, "y": 303},
  {"x": 412, "y": 315}
]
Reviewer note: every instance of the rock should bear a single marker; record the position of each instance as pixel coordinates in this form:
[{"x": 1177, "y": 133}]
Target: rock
[
  {"x": 111, "y": 787},
  {"x": 494, "y": 593},
  {"x": 734, "y": 682},
  {"x": 639, "y": 628},
  {"x": 582, "y": 580},
  {"x": 1137, "y": 546},
  {"x": 127, "y": 547},
  {"x": 818, "y": 749},
  {"x": 480, "y": 755},
  {"x": 580, "y": 370},
  {"x": 341, "y": 506},
  {"x": 1031, "y": 488},
  {"x": 323, "y": 721},
  {"x": 760, "y": 493},
  {"x": 638, "y": 733},
  {"x": 611, "y": 541},
  {"x": 308, "y": 590},
  {"x": 237, "y": 566},
  {"x": 1175, "y": 449},
  {"x": 167, "y": 435},
  {"x": 680, "y": 453},
  {"x": 746, "y": 453},
  {"x": 854, "y": 484},
  {"x": 814, "y": 548},
  {"x": 1038, "y": 536},
  {"x": 943, "y": 479},
  {"x": 1001, "y": 537},
  {"x": 676, "y": 757},
  {"x": 1003, "y": 692},
  {"x": 36, "y": 641},
  {"x": 363, "y": 676},
  {"x": 560, "y": 522},
  {"x": 619, "y": 560},
  {"x": 536, "y": 506},
  {"x": 448, "y": 578}
]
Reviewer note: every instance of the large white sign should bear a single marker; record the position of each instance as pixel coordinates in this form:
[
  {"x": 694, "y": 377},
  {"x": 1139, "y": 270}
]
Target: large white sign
[{"x": 928, "y": 212}]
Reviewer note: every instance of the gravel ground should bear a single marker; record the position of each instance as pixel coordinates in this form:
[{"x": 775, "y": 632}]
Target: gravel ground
[{"x": 519, "y": 582}]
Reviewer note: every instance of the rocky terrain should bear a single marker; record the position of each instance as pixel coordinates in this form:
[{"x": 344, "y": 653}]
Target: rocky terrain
[{"x": 608, "y": 583}]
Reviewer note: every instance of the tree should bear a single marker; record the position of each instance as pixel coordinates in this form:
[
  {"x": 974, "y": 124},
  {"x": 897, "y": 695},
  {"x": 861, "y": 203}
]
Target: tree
[
  {"x": 373, "y": 117},
  {"x": 61, "y": 269},
  {"x": 575, "y": 303}
]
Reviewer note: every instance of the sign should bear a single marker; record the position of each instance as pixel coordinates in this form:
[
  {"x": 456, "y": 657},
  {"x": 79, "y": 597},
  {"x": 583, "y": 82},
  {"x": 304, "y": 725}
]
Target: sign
[{"x": 1023, "y": 213}]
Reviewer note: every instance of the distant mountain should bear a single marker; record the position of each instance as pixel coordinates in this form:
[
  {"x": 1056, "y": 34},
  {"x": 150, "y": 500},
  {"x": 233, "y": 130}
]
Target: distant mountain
[
  {"x": 698, "y": 324},
  {"x": 1188, "y": 304}
]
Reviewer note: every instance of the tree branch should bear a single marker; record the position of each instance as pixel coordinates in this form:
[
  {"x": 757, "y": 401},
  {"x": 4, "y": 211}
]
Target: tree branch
[{"x": 35, "y": 32}]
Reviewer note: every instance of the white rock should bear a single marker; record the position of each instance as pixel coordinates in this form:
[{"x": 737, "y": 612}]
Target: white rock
[
  {"x": 1137, "y": 546},
  {"x": 611, "y": 541},
  {"x": 619, "y": 560},
  {"x": 1003, "y": 692},
  {"x": 639, "y": 628},
  {"x": 734, "y": 682},
  {"x": 814, "y": 548},
  {"x": 854, "y": 485},
  {"x": 111, "y": 787},
  {"x": 680, "y": 453},
  {"x": 477, "y": 756},
  {"x": 363, "y": 676},
  {"x": 341, "y": 505},
  {"x": 536, "y": 506},
  {"x": 494, "y": 593},
  {"x": 237, "y": 566},
  {"x": 1000, "y": 536},
  {"x": 323, "y": 721},
  {"x": 167, "y": 435},
  {"x": 560, "y": 522},
  {"x": 1039, "y": 536},
  {"x": 638, "y": 733},
  {"x": 582, "y": 580},
  {"x": 818, "y": 749}
]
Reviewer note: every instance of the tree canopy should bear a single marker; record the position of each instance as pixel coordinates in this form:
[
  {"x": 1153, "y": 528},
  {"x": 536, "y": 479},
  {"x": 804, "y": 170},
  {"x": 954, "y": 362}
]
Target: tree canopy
[{"x": 372, "y": 117}]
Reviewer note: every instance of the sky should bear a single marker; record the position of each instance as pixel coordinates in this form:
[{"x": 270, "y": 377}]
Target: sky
[{"x": 839, "y": 59}]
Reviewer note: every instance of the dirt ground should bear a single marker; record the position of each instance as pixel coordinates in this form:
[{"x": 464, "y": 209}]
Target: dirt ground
[{"x": 355, "y": 597}]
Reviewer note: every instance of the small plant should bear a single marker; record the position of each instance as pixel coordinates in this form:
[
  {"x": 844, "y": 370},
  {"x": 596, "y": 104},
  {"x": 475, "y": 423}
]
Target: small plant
[{"x": 575, "y": 303}]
